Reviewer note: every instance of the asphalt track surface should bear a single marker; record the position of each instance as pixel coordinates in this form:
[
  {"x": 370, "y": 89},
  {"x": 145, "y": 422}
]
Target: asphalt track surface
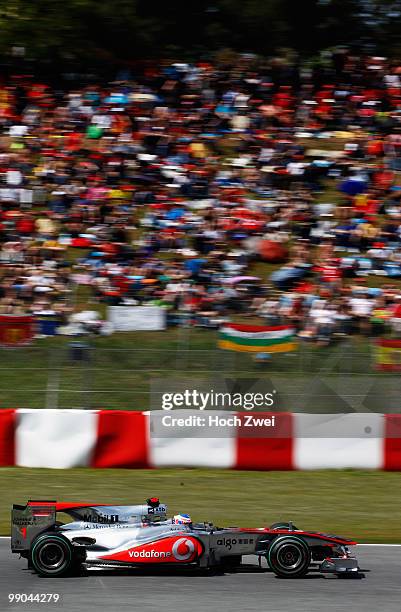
[{"x": 181, "y": 590}]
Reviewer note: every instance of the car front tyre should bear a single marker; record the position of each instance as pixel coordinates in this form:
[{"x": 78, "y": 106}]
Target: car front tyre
[
  {"x": 283, "y": 526},
  {"x": 289, "y": 557}
]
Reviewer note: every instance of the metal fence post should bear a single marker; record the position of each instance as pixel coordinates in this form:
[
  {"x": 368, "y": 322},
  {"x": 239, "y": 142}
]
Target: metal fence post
[{"x": 53, "y": 378}]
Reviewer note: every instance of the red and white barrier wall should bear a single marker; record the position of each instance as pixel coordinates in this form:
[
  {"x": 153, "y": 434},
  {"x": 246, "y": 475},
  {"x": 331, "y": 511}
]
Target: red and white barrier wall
[{"x": 123, "y": 439}]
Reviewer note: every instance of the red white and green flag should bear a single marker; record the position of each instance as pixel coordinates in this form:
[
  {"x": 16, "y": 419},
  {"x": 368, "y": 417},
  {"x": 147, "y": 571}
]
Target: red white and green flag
[{"x": 257, "y": 338}]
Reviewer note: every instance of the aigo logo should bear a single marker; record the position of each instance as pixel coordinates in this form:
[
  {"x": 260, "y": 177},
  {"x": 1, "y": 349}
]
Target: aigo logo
[{"x": 173, "y": 549}]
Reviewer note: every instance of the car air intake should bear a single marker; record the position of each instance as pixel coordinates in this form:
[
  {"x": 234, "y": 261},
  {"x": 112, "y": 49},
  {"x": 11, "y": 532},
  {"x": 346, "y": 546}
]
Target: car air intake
[{"x": 83, "y": 541}]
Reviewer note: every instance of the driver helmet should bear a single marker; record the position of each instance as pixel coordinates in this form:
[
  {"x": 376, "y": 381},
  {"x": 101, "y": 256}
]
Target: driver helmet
[{"x": 181, "y": 519}]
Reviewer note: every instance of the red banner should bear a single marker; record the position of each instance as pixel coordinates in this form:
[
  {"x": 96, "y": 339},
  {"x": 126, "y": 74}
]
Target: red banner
[{"x": 16, "y": 330}]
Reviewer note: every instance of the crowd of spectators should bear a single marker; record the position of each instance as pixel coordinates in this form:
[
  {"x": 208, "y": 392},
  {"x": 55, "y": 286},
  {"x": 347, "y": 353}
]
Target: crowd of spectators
[{"x": 254, "y": 190}]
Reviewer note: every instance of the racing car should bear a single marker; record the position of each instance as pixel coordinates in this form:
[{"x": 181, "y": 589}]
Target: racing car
[{"x": 106, "y": 536}]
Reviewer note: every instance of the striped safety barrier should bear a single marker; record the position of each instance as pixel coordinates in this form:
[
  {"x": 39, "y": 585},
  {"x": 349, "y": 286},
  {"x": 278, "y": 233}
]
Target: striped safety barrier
[{"x": 131, "y": 439}]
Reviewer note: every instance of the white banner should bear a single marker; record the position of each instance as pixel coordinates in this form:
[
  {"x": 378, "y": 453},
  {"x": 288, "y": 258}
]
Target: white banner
[{"x": 137, "y": 318}]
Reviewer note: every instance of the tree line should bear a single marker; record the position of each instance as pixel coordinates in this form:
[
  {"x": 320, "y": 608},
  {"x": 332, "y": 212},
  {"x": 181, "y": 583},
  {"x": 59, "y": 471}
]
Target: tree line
[{"x": 124, "y": 29}]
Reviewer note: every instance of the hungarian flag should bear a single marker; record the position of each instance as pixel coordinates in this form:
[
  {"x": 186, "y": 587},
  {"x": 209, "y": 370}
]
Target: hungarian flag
[
  {"x": 256, "y": 338},
  {"x": 388, "y": 355}
]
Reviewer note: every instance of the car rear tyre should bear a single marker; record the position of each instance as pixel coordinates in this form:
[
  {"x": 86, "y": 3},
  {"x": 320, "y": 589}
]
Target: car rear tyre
[
  {"x": 289, "y": 557},
  {"x": 52, "y": 555}
]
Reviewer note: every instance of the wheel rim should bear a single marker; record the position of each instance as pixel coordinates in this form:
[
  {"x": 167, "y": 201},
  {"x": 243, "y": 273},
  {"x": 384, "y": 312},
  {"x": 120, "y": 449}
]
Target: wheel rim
[
  {"x": 51, "y": 556},
  {"x": 289, "y": 557}
]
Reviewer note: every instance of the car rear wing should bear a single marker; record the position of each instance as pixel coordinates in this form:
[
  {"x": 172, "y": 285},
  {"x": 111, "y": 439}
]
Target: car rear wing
[{"x": 29, "y": 521}]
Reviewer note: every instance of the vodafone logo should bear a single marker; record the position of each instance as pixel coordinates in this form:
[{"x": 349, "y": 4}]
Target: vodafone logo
[
  {"x": 147, "y": 554},
  {"x": 183, "y": 549},
  {"x": 172, "y": 549}
]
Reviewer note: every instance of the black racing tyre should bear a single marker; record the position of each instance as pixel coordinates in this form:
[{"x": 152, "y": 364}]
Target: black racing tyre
[
  {"x": 283, "y": 526},
  {"x": 52, "y": 555},
  {"x": 289, "y": 556}
]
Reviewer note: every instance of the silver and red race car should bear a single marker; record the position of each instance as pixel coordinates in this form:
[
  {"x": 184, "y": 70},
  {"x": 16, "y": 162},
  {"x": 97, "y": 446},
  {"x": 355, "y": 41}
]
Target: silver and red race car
[{"x": 142, "y": 535}]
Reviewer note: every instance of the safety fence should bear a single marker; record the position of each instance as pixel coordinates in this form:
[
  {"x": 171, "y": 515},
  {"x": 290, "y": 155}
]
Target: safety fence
[{"x": 81, "y": 374}]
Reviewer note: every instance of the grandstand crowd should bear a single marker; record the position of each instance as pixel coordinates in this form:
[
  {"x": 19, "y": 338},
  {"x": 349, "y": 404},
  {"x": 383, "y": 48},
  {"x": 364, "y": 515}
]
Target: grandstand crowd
[{"x": 215, "y": 191}]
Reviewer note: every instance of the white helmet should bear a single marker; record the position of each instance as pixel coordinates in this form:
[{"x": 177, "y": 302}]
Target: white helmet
[{"x": 181, "y": 519}]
